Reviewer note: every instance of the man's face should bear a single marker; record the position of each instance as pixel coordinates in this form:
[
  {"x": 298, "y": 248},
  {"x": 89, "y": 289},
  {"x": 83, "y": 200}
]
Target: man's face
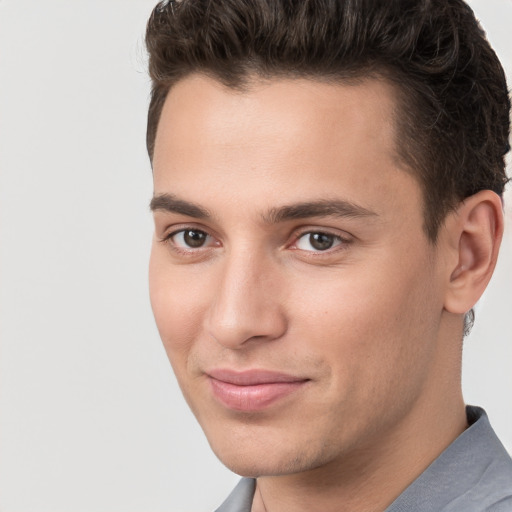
[{"x": 293, "y": 286}]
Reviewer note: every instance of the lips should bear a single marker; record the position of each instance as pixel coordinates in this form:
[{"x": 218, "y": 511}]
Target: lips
[{"x": 252, "y": 390}]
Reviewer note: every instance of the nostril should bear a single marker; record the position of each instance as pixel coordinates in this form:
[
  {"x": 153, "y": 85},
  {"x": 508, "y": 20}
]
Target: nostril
[{"x": 236, "y": 330}]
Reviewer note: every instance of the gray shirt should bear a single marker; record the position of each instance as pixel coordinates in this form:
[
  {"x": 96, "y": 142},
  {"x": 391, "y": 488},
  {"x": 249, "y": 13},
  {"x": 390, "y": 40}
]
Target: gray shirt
[{"x": 474, "y": 474}]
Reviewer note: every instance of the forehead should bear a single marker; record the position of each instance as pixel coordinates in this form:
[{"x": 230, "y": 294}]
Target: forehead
[
  {"x": 303, "y": 139},
  {"x": 277, "y": 108}
]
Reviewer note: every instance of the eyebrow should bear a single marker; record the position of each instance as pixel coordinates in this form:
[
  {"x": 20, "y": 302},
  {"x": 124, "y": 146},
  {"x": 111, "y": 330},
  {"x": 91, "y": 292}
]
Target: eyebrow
[
  {"x": 170, "y": 203},
  {"x": 322, "y": 208}
]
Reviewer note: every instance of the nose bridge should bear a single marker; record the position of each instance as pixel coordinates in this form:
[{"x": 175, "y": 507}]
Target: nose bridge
[{"x": 245, "y": 305}]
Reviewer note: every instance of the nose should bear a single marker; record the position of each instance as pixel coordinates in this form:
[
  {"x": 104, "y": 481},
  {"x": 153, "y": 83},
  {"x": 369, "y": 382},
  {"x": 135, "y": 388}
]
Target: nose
[{"x": 246, "y": 306}]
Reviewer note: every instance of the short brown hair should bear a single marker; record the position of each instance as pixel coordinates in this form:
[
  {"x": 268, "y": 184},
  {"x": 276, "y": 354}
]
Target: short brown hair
[{"x": 453, "y": 122}]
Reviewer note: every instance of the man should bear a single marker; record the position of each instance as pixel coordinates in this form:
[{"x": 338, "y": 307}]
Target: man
[{"x": 327, "y": 182}]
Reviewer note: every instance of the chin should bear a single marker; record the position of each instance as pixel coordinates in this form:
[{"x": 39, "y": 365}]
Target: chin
[
  {"x": 264, "y": 456},
  {"x": 261, "y": 465}
]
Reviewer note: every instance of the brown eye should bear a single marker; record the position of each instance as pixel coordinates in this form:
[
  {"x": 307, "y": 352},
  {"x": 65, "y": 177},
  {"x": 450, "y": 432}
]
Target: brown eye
[
  {"x": 190, "y": 238},
  {"x": 317, "y": 241},
  {"x": 321, "y": 241}
]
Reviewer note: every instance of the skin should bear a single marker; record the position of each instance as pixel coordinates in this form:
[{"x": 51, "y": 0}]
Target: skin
[{"x": 372, "y": 324}]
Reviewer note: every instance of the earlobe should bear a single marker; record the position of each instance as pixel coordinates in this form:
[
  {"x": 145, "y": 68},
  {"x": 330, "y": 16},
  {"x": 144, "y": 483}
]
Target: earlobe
[{"x": 477, "y": 231}]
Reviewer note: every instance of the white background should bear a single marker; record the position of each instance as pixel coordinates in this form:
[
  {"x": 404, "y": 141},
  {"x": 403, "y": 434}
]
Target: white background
[{"x": 91, "y": 419}]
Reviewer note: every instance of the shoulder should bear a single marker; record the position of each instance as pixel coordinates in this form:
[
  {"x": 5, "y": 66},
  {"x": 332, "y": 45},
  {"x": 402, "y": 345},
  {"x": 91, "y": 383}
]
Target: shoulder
[
  {"x": 504, "y": 505},
  {"x": 482, "y": 469},
  {"x": 474, "y": 474}
]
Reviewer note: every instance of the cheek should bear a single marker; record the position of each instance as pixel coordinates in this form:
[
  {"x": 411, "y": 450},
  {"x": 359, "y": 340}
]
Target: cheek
[
  {"x": 176, "y": 304},
  {"x": 373, "y": 328}
]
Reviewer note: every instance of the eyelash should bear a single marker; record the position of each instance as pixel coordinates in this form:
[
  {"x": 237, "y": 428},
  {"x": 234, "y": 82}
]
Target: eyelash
[{"x": 339, "y": 242}]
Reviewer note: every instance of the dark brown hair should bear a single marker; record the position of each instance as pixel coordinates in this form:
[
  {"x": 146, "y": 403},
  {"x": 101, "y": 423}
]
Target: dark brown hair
[{"x": 453, "y": 119}]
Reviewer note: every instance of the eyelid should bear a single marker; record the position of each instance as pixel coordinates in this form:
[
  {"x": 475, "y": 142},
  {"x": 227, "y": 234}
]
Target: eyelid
[{"x": 170, "y": 230}]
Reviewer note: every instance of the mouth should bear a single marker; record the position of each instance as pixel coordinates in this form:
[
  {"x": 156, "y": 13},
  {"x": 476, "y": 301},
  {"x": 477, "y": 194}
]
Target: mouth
[{"x": 252, "y": 390}]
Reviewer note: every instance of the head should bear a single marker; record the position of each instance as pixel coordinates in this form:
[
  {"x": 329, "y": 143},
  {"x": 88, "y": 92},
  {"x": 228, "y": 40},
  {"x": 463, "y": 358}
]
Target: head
[{"x": 327, "y": 180}]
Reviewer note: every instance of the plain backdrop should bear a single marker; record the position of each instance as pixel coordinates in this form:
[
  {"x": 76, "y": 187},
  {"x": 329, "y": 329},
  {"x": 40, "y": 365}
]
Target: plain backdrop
[{"x": 91, "y": 418}]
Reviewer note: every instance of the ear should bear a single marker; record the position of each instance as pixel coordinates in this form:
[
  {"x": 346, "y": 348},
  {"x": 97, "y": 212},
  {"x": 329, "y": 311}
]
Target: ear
[{"x": 475, "y": 230}]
